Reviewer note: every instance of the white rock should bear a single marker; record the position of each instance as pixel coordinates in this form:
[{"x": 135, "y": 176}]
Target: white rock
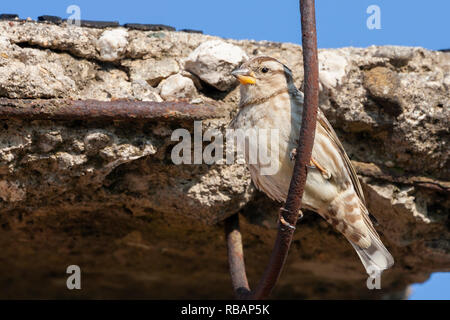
[
  {"x": 67, "y": 161},
  {"x": 112, "y": 44},
  {"x": 332, "y": 68},
  {"x": 213, "y": 61},
  {"x": 152, "y": 70},
  {"x": 144, "y": 92},
  {"x": 5, "y": 42},
  {"x": 196, "y": 101},
  {"x": 447, "y": 81},
  {"x": 177, "y": 87}
]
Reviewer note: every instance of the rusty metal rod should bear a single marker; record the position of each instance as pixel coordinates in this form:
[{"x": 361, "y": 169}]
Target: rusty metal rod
[
  {"x": 127, "y": 110},
  {"x": 289, "y": 213},
  {"x": 236, "y": 257}
]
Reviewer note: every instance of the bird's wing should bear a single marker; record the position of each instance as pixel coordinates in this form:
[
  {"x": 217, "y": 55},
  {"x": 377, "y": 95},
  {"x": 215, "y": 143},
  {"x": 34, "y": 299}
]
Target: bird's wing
[
  {"x": 232, "y": 122},
  {"x": 348, "y": 165},
  {"x": 266, "y": 184}
]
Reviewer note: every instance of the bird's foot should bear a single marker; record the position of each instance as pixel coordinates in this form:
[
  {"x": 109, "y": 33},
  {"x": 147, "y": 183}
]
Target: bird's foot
[
  {"x": 284, "y": 222},
  {"x": 293, "y": 154},
  {"x": 300, "y": 215},
  {"x": 314, "y": 164}
]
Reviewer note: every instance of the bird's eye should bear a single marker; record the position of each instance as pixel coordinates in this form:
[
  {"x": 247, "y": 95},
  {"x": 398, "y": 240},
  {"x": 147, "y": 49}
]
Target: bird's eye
[{"x": 265, "y": 70}]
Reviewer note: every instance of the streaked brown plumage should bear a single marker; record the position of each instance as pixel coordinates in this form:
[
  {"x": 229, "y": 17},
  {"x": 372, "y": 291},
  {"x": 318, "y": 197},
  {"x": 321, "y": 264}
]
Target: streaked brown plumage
[{"x": 269, "y": 99}]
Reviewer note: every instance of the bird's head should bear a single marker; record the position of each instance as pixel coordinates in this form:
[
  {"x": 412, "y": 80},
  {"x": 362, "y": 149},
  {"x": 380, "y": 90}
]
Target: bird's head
[{"x": 261, "y": 77}]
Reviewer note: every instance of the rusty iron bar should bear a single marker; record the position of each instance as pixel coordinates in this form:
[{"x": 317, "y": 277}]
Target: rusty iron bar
[
  {"x": 126, "y": 110},
  {"x": 290, "y": 212},
  {"x": 236, "y": 257}
]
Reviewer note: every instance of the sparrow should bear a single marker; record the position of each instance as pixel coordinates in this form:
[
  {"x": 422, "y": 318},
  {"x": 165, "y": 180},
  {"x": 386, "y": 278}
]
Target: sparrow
[{"x": 270, "y": 100}]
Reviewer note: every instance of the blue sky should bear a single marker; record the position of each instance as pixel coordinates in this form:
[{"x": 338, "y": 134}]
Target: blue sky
[
  {"x": 437, "y": 287},
  {"x": 339, "y": 23}
]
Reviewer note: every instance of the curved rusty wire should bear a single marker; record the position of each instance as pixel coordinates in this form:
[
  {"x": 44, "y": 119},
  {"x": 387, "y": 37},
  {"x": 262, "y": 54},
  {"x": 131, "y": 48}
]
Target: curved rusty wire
[{"x": 290, "y": 212}]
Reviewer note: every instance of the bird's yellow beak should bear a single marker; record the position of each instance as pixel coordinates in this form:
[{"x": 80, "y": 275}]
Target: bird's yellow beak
[{"x": 244, "y": 76}]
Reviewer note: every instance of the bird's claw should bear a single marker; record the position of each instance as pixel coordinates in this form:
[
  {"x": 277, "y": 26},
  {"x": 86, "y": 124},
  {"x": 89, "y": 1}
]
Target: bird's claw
[
  {"x": 284, "y": 222},
  {"x": 314, "y": 164},
  {"x": 300, "y": 215},
  {"x": 293, "y": 154}
]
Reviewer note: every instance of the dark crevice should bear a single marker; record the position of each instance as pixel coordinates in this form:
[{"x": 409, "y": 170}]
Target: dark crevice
[
  {"x": 399, "y": 62},
  {"x": 212, "y": 92},
  {"x": 389, "y": 105}
]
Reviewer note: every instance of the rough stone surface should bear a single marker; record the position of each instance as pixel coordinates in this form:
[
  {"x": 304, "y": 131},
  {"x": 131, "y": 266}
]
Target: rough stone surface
[
  {"x": 112, "y": 44},
  {"x": 107, "y": 197},
  {"x": 332, "y": 68},
  {"x": 177, "y": 87},
  {"x": 382, "y": 85},
  {"x": 152, "y": 70},
  {"x": 212, "y": 61}
]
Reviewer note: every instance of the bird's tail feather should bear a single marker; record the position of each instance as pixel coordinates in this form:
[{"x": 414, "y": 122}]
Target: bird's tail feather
[{"x": 376, "y": 257}]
